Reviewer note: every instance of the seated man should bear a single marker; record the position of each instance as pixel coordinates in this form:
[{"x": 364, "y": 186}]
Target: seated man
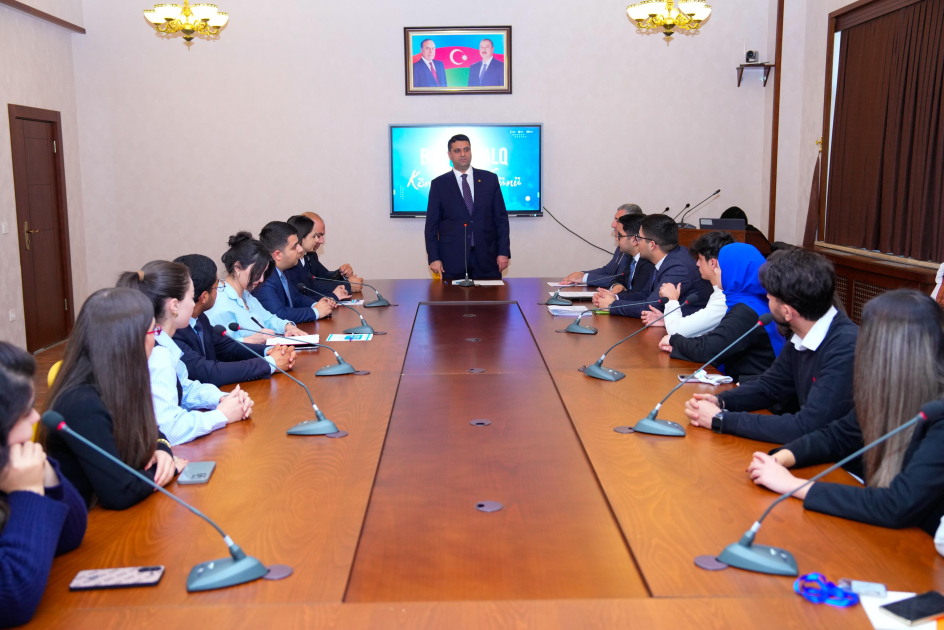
[
  {"x": 673, "y": 265},
  {"x": 212, "y": 358},
  {"x": 311, "y": 236},
  {"x": 639, "y": 271},
  {"x": 706, "y": 247},
  {"x": 815, "y": 368},
  {"x": 737, "y": 266},
  {"x": 604, "y": 276},
  {"x": 277, "y": 294}
]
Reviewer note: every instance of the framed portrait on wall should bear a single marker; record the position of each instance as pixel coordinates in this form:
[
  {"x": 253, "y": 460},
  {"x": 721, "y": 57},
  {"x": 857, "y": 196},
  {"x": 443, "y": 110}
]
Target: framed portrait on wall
[{"x": 458, "y": 60}]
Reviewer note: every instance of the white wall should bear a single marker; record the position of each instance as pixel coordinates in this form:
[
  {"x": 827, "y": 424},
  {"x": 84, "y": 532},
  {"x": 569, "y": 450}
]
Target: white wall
[
  {"x": 181, "y": 148},
  {"x": 36, "y": 71}
]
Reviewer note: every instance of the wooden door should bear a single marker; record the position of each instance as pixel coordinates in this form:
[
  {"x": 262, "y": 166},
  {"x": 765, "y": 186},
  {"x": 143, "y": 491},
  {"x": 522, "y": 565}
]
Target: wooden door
[{"x": 41, "y": 225}]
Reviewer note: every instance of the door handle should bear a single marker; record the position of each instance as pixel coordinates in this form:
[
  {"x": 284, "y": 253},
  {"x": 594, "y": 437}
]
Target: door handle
[{"x": 27, "y": 232}]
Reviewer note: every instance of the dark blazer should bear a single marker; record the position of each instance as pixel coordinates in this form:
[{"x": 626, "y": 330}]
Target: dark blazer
[
  {"x": 494, "y": 74},
  {"x": 309, "y": 266},
  {"x": 447, "y": 212},
  {"x": 678, "y": 267},
  {"x": 604, "y": 276},
  {"x": 915, "y": 496},
  {"x": 220, "y": 360},
  {"x": 89, "y": 472},
  {"x": 422, "y": 77},
  {"x": 272, "y": 296}
]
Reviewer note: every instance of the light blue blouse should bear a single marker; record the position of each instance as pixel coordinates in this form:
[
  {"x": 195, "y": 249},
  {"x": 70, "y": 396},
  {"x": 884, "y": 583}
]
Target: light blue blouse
[{"x": 230, "y": 307}]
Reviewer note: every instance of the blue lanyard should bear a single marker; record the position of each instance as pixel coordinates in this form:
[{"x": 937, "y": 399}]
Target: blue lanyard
[{"x": 814, "y": 587}]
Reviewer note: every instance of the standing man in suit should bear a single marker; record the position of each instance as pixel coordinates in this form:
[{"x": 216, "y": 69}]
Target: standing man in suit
[
  {"x": 277, "y": 294},
  {"x": 212, "y": 358},
  {"x": 673, "y": 264},
  {"x": 489, "y": 72},
  {"x": 427, "y": 72},
  {"x": 604, "y": 276},
  {"x": 473, "y": 197}
]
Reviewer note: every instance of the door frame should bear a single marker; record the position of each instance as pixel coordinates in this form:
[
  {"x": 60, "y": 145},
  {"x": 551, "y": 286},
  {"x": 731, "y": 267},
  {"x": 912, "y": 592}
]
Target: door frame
[{"x": 23, "y": 112}]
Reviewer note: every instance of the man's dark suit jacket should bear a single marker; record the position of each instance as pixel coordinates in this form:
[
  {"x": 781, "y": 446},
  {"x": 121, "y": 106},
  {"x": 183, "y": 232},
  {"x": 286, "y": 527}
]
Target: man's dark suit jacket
[
  {"x": 422, "y": 77},
  {"x": 447, "y": 212},
  {"x": 272, "y": 296},
  {"x": 494, "y": 74},
  {"x": 608, "y": 274},
  {"x": 309, "y": 266},
  {"x": 219, "y": 360},
  {"x": 678, "y": 267}
]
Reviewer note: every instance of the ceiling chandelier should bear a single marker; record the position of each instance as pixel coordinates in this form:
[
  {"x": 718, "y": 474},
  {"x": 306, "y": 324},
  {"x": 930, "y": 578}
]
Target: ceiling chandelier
[
  {"x": 200, "y": 19},
  {"x": 655, "y": 14}
]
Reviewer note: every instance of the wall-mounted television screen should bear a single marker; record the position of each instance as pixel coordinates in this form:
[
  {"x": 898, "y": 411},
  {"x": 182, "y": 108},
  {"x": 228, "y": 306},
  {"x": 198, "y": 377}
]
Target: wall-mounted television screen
[{"x": 418, "y": 155}]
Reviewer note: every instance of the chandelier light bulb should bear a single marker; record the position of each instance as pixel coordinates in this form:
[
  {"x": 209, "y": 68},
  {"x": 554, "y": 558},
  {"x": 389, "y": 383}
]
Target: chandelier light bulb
[{"x": 201, "y": 19}]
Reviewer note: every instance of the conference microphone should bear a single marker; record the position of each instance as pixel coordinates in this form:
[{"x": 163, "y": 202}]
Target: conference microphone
[
  {"x": 321, "y": 425},
  {"x": 575, "y": 326},
  {"x": 653, "y": 426},
  {"x": 606, "y": 374},
  {"x": 557, "y": 300},
  {"x": 682, "y": 211},
  {"x": 717, "y": 192},
  {"x": 744, "y": 554},
  {"x": 380, "y": 301},
  {"x": 465, "y": 251},
  {"x": 206, "y": 576},
  {"x": 343, "y": 367},
  {"x": 363, "y": 329},
  {"x": 666, "y": 210}
]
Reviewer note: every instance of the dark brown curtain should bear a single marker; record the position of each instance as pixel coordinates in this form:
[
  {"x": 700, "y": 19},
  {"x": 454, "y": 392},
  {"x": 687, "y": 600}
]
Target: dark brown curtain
[{"x": 886, "y": 171}]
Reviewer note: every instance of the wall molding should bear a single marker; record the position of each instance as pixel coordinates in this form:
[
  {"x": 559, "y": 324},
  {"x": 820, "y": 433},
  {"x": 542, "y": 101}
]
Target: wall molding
[{"x": 42, "y": 15}]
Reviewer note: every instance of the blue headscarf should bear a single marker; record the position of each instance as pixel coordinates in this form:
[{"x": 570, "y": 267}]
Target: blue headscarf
[{"x": 740, "y": 264}]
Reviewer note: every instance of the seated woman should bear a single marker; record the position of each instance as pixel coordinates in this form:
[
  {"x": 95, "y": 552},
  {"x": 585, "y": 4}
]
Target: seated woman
[
  {"x": 41, "y": 514},
  {"x": 177, "y": 398},
  {"x": 899, "y": 366},
  {"x": 103, "y": 391},
  {"x": 746, "y": 299},
  {"x": 247, "y": 263}
]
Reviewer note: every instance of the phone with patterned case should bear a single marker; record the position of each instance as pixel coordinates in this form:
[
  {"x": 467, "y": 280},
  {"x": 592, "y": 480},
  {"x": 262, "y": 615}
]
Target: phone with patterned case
[{"x": 126, "y": 577}]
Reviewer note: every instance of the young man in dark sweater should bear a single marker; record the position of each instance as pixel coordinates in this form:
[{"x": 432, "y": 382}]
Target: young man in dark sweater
[{"x": 815, "y": 367}]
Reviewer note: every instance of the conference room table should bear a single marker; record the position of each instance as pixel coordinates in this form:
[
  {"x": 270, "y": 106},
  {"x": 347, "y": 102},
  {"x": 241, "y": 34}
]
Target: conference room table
[{"x": 597, "y": 529}]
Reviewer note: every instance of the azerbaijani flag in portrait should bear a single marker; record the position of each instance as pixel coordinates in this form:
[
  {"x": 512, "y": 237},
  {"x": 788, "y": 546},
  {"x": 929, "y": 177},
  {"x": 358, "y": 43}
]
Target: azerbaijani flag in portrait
[{"x": 458, "y": 53}]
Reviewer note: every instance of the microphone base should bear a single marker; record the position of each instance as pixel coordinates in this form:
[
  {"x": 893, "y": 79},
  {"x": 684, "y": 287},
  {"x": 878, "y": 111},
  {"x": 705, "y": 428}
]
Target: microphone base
[
  {"x": 759, "y": 559},
  {"x": 225, "y": 572},
  {"x": 602, "y": 373},
  {"x": 313, "y": 427},
  {"x": 360, "y": 330},
  {"x": 558, "y": 301},
  {"x": 465, "y": 283},
  {"x": 336, "y": 370},
  {"x": 654, "y": 426},
  {"x": 574, "y": 327},
  {"x": 377, "y": 302}
]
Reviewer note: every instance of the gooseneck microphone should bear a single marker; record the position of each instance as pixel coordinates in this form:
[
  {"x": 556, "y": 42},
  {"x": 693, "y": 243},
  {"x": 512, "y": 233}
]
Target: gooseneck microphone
[
  {"x": 321, "y": 425},
  {"x": 380, "y": 301},
  {"x": 653, "y": 426},
  {"x": 575, "y": 327},
  {"x": 682, "y": 211},
  {"x": 684, "y": 216},
  {"x": 744, "y": 554},
  {"x": 606, "y": 374},
  {"x": 557, "y": 300},
  {"x": 465, "y": 236},
  {"x": 343, "y": 367},
  {"x": 363, "y": 329},
  {"x": 206, "y": 576}
]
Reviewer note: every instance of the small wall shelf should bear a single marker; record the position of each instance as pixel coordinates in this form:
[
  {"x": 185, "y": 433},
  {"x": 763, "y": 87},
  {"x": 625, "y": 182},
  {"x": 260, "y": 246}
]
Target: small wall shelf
[{"x": 767, "y": 67}]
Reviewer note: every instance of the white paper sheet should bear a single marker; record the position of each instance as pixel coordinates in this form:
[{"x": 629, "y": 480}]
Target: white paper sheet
[
  {"x": 574, "y": 295},
  {"x": 567, "y": 311},
  {"x": 558, "y": 284},
  {"x": 353, "y": 302},
  {"x": 292, "y": 341},
  {"x": 349, "y": 337}
]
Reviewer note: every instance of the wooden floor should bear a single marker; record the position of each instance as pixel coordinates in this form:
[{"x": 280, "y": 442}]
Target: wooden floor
[{"x": 597, "y": 530}]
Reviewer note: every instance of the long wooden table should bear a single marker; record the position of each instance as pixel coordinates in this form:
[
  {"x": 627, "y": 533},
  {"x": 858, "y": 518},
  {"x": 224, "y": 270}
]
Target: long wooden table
[{"x": 598, "y": 529}]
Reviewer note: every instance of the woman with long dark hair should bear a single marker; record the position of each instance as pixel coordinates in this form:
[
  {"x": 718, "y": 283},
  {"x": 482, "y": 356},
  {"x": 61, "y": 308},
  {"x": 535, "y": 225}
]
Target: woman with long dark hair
[
  {"x": 176, "y": 398},
  {"x": 103, "y": 391},
  {"x": 247, "y": 264},
  {"x": 41, "y": 514},
  {"x": 899, "y": 366}
]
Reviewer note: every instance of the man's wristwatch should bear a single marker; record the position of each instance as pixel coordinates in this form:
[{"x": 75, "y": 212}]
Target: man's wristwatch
[{"x": 717, "y": 422}]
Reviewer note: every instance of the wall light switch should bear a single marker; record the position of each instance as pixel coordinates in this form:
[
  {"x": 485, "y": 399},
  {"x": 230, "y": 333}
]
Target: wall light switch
[
  {"x": 3, "y": 228},
  {"x": 12, "y": 315}
]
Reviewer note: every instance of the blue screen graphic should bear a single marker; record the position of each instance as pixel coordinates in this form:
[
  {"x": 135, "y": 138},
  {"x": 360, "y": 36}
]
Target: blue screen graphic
[{"x": 418, "y": 154}]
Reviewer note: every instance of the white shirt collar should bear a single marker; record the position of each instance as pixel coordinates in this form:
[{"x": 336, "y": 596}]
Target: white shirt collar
[
  {"x": 659, "y": 264},
  {"x": 817, "y": 333},
  {"x": 636, "y": 257},
  {"x": 193, "y": 322}
]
